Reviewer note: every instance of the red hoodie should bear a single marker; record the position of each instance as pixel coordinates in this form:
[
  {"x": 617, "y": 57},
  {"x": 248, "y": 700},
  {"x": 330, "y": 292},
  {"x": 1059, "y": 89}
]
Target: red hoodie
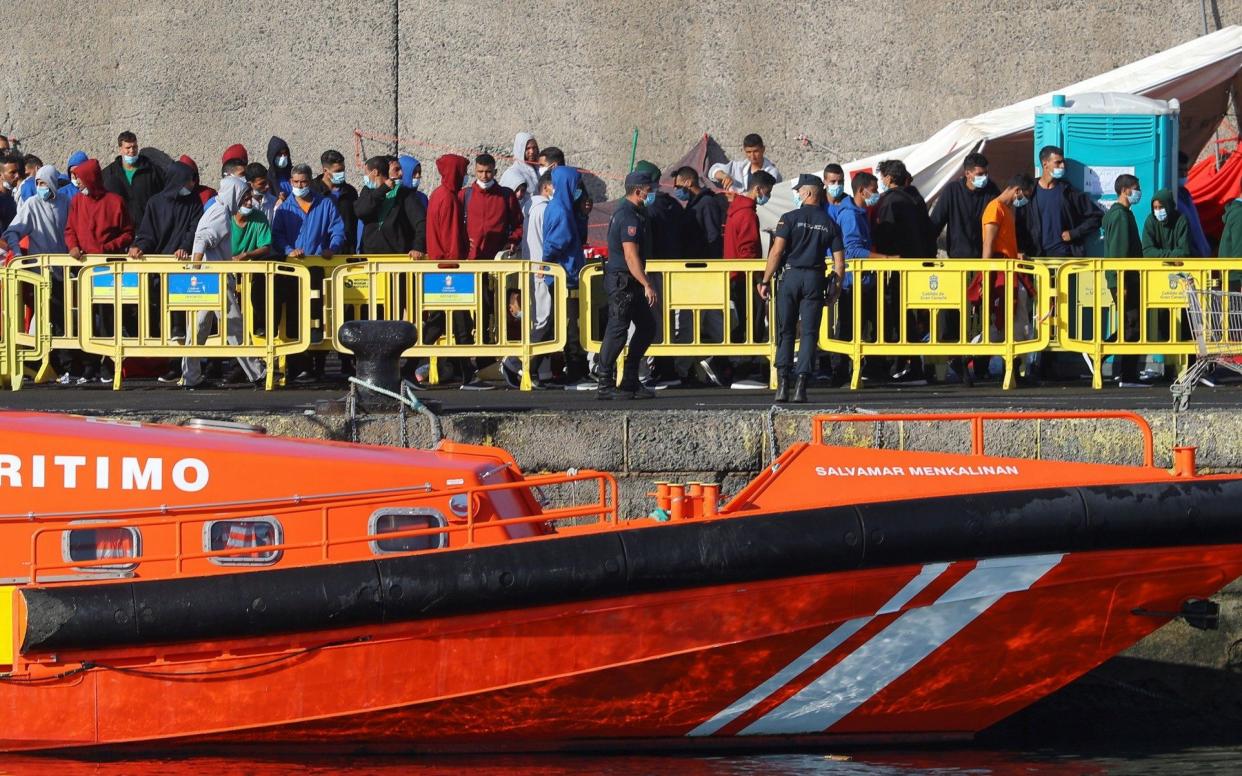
[
  {"x": 235, "y": 151},
  {"x": 741, "y": 231},
  {"x": 204, "y": 193},
  {"x": 446, "y": 234},
  {"x": 99, "y": 221},
  {"x": 493, "y": 220}
]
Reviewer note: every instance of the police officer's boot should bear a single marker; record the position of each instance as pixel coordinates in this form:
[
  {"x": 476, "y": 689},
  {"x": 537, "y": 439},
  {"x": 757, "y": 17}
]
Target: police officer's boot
[
  {"x": 782, "y": 388},
  {"x": 607, "y": 388},
  {"x": 799, "y": 391}
]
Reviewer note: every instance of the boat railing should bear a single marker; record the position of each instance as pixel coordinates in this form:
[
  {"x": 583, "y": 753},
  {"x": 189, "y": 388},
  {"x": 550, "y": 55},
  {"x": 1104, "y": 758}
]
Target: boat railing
[
  {"x": 978, "y": 420},
  {"x": 170, "y": 534}
]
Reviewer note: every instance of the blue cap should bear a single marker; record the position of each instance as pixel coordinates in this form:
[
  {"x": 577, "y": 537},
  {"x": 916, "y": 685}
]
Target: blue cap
[
  {"x": 76, "y": 158},
  {"x": 637, "y": 178}
]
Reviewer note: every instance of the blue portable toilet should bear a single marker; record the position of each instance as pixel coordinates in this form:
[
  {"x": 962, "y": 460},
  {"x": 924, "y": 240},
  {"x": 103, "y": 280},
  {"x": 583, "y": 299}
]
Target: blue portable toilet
[{"x": 1107, "y": 134}]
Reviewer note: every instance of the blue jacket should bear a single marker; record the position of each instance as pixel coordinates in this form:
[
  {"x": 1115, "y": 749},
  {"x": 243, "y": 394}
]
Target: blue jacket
[
  {"x": 562, "y": 238},
  {"x": 321, "y": 229},
  {"x": 855, "y": 234},
  {"x": 1186, "y": 206},
  {"x": 408, "y": 165}
]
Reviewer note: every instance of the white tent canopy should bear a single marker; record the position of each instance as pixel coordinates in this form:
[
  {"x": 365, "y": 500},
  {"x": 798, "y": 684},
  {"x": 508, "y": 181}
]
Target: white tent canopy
[{"x": 1200, "y": 74}]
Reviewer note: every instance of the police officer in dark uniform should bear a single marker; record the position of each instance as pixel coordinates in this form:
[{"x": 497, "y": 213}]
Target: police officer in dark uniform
[
  {"x": 800, "y": 244},
  {"x": 630, "y": 293}
]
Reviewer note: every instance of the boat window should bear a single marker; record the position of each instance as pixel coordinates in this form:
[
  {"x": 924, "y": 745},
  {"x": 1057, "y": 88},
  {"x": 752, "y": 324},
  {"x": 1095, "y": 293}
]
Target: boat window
[
  {"x": 392, "y": 520},
  {"x": 240, "y": 534},
  {"x": 101, "y": 542}
]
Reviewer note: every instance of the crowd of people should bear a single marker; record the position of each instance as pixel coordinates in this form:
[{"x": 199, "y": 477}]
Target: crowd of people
[{"x": 538, "y": 209}]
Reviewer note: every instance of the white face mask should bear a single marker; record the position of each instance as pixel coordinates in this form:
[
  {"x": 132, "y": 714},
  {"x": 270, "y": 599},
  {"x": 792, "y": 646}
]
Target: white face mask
[
  {"x": 542, "y": 170},
  {"x": 486, "y": 184}
]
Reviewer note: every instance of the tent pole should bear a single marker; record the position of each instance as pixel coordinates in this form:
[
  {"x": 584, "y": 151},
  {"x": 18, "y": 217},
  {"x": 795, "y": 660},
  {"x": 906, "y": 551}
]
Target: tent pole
[{"x": 634, "y": 149}]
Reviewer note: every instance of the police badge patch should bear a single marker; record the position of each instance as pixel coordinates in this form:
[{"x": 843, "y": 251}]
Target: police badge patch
[{"x": 632, "y": 231}]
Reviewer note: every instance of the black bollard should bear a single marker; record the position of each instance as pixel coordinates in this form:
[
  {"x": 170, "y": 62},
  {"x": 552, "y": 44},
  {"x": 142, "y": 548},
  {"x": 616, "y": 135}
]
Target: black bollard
[{"x": 377, "y": 347}]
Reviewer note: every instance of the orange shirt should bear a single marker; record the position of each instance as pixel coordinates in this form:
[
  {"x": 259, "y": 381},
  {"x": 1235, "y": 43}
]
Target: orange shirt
[
  {"x": 306, "y": 206},
  {"x": 1006, "y": 243}
]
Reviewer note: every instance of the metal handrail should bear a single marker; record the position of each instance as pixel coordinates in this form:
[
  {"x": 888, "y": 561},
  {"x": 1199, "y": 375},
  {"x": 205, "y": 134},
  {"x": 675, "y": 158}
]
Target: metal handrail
[
  {"x": 977, "y": 420},
  {"x": 605, "y": 507}
]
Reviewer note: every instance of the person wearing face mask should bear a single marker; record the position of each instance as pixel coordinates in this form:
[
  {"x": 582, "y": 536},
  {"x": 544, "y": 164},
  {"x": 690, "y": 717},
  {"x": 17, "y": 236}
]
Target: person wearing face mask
[
  {"x": 851, "y": 217},
  {"x": 532, "y": 250},
  {"x": 331, "y": 184},
  {"x": 68, "y": 182},
  {"x": 705, "y": 238},
  {"x": 393, "y": 218},
  {"x": 562, "y": 243},
  {"x": 10, "y": 179},
  {"x": 1000, "y": 241},
  {"x": 801, "y": 243},
  {"x": 741, "y": 231},
  {"x": 412, "y": 177},
  {"x": 232, "y": 168},
  {"x": 41, "y": 218},
  {"x": 525, "y": 163},
  {"x": 132, "y": 176},
  {"x": 213, "y": 241},
  {"x": 280, "y": 164},
  {"x": 493, "y": 214},
  {"x": 834, "y": 187},
  {"x": 204, "y": 193},
  {"x": 167, "y": 229},
  {"x": 959, "y": 208},
  {"x": 631, "y": 296},
  {"x": 1190, "y": 211},
  {"x": 1122, "y": 241},
  {"x": 1166, "y": 233},
  {"x": 27, "y": 189},
  {"x": 261, "y": 196},
  {"x": 1062, "y": 216}
]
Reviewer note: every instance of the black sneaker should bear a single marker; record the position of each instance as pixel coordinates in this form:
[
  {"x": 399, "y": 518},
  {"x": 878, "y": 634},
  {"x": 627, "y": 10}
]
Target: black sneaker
[
  {"x": 236, "y": 376},
  {"x": 513, "y": 378},
  {"x": 476, "y": 384},
  {"x": 640, "y": 392},
  {"x": 171, "y": 376}
]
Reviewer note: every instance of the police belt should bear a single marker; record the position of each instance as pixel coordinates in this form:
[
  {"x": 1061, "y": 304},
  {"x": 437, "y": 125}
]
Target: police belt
[{"x": 818, "y": 268}]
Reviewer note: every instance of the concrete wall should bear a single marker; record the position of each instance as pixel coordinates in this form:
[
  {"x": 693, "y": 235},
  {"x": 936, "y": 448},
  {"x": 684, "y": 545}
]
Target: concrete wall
[{"x": 852, "y": 76}]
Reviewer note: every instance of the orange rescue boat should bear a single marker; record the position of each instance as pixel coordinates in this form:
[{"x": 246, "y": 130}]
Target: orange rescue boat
[{"x": 166, "y": 587}]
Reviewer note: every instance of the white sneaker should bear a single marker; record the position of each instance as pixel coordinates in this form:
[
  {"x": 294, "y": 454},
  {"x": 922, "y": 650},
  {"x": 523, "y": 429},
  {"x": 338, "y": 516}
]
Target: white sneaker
[
  {"x": 706, "y": 366},
  {"x": 64, "y": 379}
]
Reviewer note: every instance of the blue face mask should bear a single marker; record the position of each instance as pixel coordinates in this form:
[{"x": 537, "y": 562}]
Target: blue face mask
[
  {"x": 578, "y": 196},
  {"x": 367, "y": 183},
  {"x": 301, "y": 192},
  {"x": 1058, "y": 173},
  {"x": 338, "y": 178},
  {"x": 650, "y": 199},
  {"x": 1160, "y": 214},
  {"x": 870, "y": 201},
  {"x": 130, "y": 160},
  {"x": 44, "y": 193},
  {"x": 979, "y": 181},
  {"x": 414, "y": 183},
  {"x": 282, "y": 161},
  {"x": 1020, "y": 202},
  {"x": 682, "y": 194},
  {"x": 245, "y": 211},
  {"x": 762, "y": 199},
  {"x": 1136, "y": 197},
  {"x": 835, "y": 190}
]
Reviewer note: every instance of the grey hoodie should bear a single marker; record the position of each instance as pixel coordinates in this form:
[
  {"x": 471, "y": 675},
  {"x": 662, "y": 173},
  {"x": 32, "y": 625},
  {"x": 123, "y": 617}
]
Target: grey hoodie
[
  {"x": 42, "y": 220},
  {"x": 214, "y": 236}
]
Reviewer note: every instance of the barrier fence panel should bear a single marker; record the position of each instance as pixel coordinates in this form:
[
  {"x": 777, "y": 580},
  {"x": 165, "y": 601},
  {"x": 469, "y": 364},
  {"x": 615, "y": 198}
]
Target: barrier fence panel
[
  {"x": 156, "y": 308},
  {"x": 473, "y": 309},
  {"x": 25, "y": 337},
  {"x": 1133, "y": 307},
  {"x": 324, "y": 301},
  {"x": 61, "y": 313},
  {"x": 941, "y": 307},
  {"x": 703, "y": 309}
]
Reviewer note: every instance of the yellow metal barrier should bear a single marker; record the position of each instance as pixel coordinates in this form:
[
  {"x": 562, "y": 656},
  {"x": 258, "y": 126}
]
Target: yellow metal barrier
[
  {"x": 461, "y": 309},
  {"x": 942, "y": 307},
  {"x": 703, "y": 309},
  {"x": 1132, "y": 307},
  {"x": 22, "y": 343},
  {"x": 126, "y": 309},
  {"x": 324, "y": 301},
  {"x": 61, "y": 313}
]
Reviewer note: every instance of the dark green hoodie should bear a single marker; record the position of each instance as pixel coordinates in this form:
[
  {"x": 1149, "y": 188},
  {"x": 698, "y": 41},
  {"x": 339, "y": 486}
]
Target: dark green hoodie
[
  {"x": 1231, "y": 237},
  {"x": 1169, "y": 238},
  {"x": 1121, "y": 234}
]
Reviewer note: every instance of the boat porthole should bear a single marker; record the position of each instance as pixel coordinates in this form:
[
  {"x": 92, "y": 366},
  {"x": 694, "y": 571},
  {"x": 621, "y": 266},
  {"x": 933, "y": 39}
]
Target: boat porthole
[
  {"x": 459, "y": 504},
  {"x": 851, "y": 538},
  {"x": 506, "y": 579}
]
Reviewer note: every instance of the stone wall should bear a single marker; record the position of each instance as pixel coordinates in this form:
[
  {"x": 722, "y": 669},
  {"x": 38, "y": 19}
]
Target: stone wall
[{"x": 852, "y": 77}]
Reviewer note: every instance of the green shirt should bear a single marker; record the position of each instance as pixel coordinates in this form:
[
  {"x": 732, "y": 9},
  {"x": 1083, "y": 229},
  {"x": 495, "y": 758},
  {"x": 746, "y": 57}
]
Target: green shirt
[
  {"x": 255, "y": 234},
  {"x": 1231, "y": 237},
  {"x": 1121, "y": 234},
  {"x": 129, "y": 175}
]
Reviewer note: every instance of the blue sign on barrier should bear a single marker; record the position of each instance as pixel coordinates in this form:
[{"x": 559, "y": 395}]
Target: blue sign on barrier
[
  {"x": 448, "y": 289},
  {"x": 194, "y": 289},
  {"x": 103, "y": 279}
]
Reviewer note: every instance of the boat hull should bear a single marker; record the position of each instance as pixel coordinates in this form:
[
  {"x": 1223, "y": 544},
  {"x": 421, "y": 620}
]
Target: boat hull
[{"x": 915, "y": 652}]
